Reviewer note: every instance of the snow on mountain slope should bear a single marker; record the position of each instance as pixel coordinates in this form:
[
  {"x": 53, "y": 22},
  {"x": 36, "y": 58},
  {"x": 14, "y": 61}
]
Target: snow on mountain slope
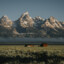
[
  {"x": 52, "y": 23},
  {"x": 5, "y": 21},
  {"x": 25, "y": 20},
  {"x": 38, "y": 26}
]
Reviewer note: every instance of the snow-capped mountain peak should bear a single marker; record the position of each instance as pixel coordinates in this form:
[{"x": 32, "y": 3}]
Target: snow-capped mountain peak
[
  {"x": 5, "y": 21},
  {"x": 4, "y": 18},
  {"x": 25, "y": 13},
  {"x": 40, "y": 27},
  {"x": 38, "y": 18},
  {"x": 25, "y": 20},
  {"x": 25, "y": 16},
  {"x": 52, "y": 23}
]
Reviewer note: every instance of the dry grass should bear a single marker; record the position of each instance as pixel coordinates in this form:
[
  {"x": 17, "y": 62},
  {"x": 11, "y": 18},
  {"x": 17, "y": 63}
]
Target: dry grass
[{"x": 19, "y": 52}]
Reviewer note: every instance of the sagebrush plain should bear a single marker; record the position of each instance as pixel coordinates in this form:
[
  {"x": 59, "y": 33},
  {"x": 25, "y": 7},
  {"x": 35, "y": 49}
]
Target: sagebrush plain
[{"x": 19, "y": 54}]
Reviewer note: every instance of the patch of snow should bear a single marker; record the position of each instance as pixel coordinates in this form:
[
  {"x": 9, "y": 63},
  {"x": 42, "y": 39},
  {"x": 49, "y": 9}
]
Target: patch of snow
[
  {"x": 6, "y": 26},
  {"x": 4, "y": 16},
  {"x": 24, "y": 22},
  {"x": 30, "y": 17},
  {"x": 25, "y": 13}
]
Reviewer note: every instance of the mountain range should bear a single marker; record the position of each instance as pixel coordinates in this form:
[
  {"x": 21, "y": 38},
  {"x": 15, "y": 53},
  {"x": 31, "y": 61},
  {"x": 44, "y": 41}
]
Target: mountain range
[{"x": 27, "y": 26}]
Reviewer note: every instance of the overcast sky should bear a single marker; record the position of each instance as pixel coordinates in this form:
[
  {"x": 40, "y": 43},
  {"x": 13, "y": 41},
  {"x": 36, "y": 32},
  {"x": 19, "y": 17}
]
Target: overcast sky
[{"x": 44, "y": 8}]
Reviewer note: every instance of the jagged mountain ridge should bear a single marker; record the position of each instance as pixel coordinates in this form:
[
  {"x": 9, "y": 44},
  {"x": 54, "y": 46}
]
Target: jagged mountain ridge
[
  {"x": 5, "y": 21},
  {"x": 27, "y": 26}
]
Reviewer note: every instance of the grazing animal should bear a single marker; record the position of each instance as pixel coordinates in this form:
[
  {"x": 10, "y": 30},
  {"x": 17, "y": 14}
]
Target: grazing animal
[
  {"x": 27, "y": 45},
  {"x": 44, "y": 45}
]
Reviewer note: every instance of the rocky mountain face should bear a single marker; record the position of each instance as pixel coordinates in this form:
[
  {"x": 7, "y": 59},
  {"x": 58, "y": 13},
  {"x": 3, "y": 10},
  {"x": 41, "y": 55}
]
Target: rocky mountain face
[
  {"x": 25, "y": 20},
  {"x": 5, "y": 22},
  {"x": 5, "y": 26},
  {"x": 27, "y": 26}
]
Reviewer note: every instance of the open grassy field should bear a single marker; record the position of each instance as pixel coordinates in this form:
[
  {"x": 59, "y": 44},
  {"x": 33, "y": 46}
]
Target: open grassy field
[{"x": 19, "y": 54}]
